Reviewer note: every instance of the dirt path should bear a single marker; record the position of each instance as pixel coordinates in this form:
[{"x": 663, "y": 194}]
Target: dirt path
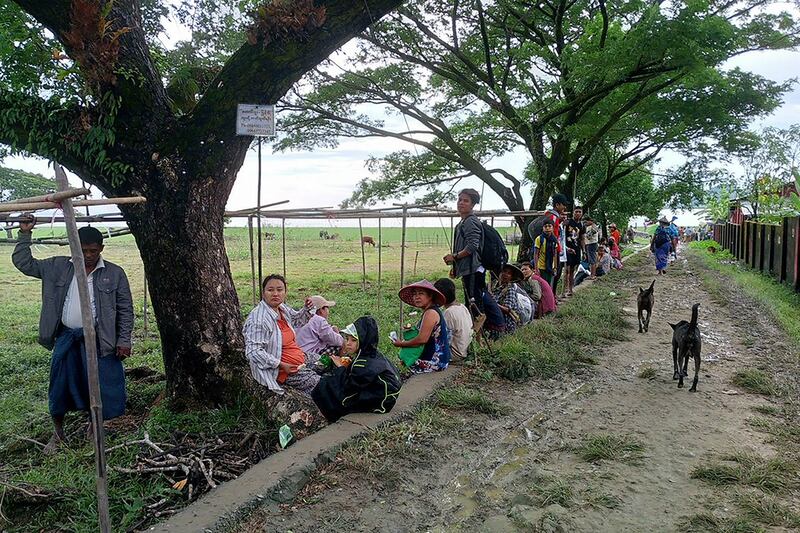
[{"x": 523, "y": 471}]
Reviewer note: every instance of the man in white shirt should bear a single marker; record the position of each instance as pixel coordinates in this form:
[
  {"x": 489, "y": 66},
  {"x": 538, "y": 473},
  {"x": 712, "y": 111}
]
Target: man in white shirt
[{"x": 61, "y": 326}]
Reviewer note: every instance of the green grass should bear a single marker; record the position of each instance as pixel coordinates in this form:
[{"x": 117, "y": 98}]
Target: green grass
[
  {"x": 769, "y": 410},
  {"x": 707, "y": 522},
  {"x": 545, "y": 348},
  {"x": 648, "y": 372},
  {"x": 550, "y": 490},
  {"x": 776, "y": 475},
  {"x": 767, "y": 510},
  {"x": 780, "y": 301},
  {"x": 755, "y": 381},
  {"x": 605, "y": 447},
  {"x": 461, "y": 397}
]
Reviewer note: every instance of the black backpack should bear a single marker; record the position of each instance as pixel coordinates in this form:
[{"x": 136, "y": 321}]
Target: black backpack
[
  {"x": 661, "y": 238},
  {"x": 535, "y": 228},
  {"x": 493, "y": 252}
]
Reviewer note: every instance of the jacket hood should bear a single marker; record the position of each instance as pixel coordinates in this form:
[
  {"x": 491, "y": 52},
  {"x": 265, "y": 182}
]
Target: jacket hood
[{"x": 367, "y": 329}]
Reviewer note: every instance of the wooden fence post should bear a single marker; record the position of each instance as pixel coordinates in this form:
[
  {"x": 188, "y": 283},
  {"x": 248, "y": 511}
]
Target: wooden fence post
[
  {"x": 363, "y": 257},
  {"x": 90, "y": 341}
]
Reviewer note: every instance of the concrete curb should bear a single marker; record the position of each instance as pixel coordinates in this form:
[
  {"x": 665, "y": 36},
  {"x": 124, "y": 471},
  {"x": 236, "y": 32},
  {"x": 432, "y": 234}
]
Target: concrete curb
[{"x": 281, "y": 476}]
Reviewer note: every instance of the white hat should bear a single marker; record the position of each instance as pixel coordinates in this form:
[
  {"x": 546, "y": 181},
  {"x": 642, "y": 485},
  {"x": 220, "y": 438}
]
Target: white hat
[{"x": 320, "y": 302}]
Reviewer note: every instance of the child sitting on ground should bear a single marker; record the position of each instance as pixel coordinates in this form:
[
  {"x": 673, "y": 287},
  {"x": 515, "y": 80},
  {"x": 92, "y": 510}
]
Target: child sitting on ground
[{"x": 369, "y": 384}]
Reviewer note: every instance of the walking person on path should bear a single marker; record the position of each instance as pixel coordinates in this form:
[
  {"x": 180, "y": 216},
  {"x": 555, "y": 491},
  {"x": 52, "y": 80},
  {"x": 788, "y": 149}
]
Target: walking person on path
[
  {"x": 660, "y": 245},
  {"x": 61, "y": 326}
]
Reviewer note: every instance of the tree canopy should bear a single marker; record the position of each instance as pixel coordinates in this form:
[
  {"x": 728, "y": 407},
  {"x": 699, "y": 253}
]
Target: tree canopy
[
  {"x": 16, "y": 184},
  {"x": 462, "y": 83},
  {"x": 92, "y": 84}
]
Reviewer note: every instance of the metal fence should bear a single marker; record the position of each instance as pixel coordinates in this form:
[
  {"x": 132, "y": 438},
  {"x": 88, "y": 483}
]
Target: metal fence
[{"x": 773, "y": 249}]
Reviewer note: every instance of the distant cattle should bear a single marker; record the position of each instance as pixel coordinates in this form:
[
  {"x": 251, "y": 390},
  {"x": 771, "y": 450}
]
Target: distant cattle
[
  {"x": 334, "y": 236},
  {"x": 269, "y": 236},
  {"x": 366, "y": 239},
  {"x": 324, "y": 235}
]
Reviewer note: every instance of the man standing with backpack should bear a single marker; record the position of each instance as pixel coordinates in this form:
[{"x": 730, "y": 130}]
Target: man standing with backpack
[{"x": 466, "y": 258}]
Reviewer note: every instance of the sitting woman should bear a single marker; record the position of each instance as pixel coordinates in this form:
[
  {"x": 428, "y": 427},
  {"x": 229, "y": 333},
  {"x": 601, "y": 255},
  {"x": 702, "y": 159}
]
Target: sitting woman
[
  {"x": 433, "y": 334},
  {"x": 530, "y": 285},
  {"x": 370, "y": 384},
  {"x": 506, "y": 294},
  {"x": 270, "y": 343}
]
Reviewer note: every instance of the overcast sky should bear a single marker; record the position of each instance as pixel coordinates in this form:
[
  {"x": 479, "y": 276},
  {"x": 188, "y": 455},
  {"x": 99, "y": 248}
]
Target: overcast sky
[{"x": 326, "y": 177}]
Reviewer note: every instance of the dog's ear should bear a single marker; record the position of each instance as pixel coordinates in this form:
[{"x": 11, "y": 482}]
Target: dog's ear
[
  {"x": 672, "y": 325},
  {"x": 641, "y": 290}
]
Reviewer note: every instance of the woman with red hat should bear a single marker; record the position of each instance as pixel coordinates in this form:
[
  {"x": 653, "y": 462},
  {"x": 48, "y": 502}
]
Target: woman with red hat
[{"x": 433, "y": 333}]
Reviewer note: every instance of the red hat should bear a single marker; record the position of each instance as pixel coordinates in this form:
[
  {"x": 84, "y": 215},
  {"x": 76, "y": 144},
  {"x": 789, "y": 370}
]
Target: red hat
[{"x": 405, "y": 292}]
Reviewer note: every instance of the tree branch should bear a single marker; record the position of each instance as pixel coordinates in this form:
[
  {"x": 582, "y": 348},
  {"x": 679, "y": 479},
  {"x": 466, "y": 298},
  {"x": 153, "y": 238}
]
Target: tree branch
[{"x": 260, "y": 74}]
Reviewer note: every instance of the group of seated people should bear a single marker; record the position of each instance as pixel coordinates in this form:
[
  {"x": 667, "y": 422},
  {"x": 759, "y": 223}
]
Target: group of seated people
[{"x": 342, "y": 370}]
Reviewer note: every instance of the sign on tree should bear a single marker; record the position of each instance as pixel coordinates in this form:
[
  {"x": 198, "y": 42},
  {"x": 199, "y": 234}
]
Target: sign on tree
[{"x": 255, "y": 120}]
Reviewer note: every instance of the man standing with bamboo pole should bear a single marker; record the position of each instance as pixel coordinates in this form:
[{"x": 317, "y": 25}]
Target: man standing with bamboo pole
[{"x": 61, "y": 326}]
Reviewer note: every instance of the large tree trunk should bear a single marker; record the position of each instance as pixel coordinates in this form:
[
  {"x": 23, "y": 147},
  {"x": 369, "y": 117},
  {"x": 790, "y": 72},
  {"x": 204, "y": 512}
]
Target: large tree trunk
[{"x": 179, "y": 232}]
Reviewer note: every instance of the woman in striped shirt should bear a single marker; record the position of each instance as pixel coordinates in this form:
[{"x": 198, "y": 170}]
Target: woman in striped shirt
[{"x": 270, "y": 343}]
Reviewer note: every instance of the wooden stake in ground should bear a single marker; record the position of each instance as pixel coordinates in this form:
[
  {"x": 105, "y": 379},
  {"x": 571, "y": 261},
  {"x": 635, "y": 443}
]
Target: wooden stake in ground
[
  {"x": 283, "y": 244},
  {"x": 144, "y": 308},
  {"x": 380, "y": 245},
  {"x": 363, "y": 258},
  {"x": 403, "y": 260},
  {"x": 416, "y": 257},
  {"x": 90, "y": 340},
  {"x": 258, "y": 202},
  {"x": 252, "y": 259}
]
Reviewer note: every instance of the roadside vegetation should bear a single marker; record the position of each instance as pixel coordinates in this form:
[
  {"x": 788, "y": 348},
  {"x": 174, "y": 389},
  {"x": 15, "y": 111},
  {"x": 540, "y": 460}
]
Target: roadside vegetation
[{"x": 758, "y": 491}]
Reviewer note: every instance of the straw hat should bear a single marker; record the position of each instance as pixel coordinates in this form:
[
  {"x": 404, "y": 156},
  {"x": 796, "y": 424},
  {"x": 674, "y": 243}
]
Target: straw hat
[
  {"x": 516, "y": 273},
  {"x": 663, "y": 220},
  {"x": 405, "y": 292},
  {"x": 320, "y": 302}
]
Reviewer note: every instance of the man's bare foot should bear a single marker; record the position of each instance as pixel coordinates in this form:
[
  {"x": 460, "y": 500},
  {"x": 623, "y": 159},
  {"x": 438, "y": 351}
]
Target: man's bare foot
[{"x": 53, "y": 444}]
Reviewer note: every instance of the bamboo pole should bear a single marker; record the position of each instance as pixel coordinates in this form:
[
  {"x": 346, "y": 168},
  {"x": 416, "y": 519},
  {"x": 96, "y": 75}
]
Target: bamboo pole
[
  {"x": 252, "y": 259},
  {"x": 380, "y": 245},
  {"x": 251, "y": 210},
  {"x": 37, "y": 241},
  {"x": 258, "y": 215},
  {"x": 144, "y": 307},
  {"x": 52, "y": 197},
  {"x": 363, "y": 258},
  {"x": 283, "y": 244},
  {"x": 91, "y": 218},
  {"x": 416, "y": 256},
  {"x": 13, "y": 208},
  {"x": 90, "y": 341},
  {"x": 403, "y": 262}
]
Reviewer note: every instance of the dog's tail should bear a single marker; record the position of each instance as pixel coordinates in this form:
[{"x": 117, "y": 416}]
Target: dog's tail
[
  {"x": 650, "y": 288},
  {"x": 693, "y": 323}
]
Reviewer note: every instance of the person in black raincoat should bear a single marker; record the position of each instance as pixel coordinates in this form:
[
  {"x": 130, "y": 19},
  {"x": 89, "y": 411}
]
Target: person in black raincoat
[{"x": 370, "y": 384}]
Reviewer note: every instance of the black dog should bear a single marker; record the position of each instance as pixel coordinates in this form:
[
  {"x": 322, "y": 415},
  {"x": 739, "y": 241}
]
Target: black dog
[
  {"x": 686, "y": 343},
  {"x": 644, "y": 302}
]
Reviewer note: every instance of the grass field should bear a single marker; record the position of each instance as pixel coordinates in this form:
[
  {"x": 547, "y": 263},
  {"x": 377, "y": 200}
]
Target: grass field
[{"x": 329, "y": 267}]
